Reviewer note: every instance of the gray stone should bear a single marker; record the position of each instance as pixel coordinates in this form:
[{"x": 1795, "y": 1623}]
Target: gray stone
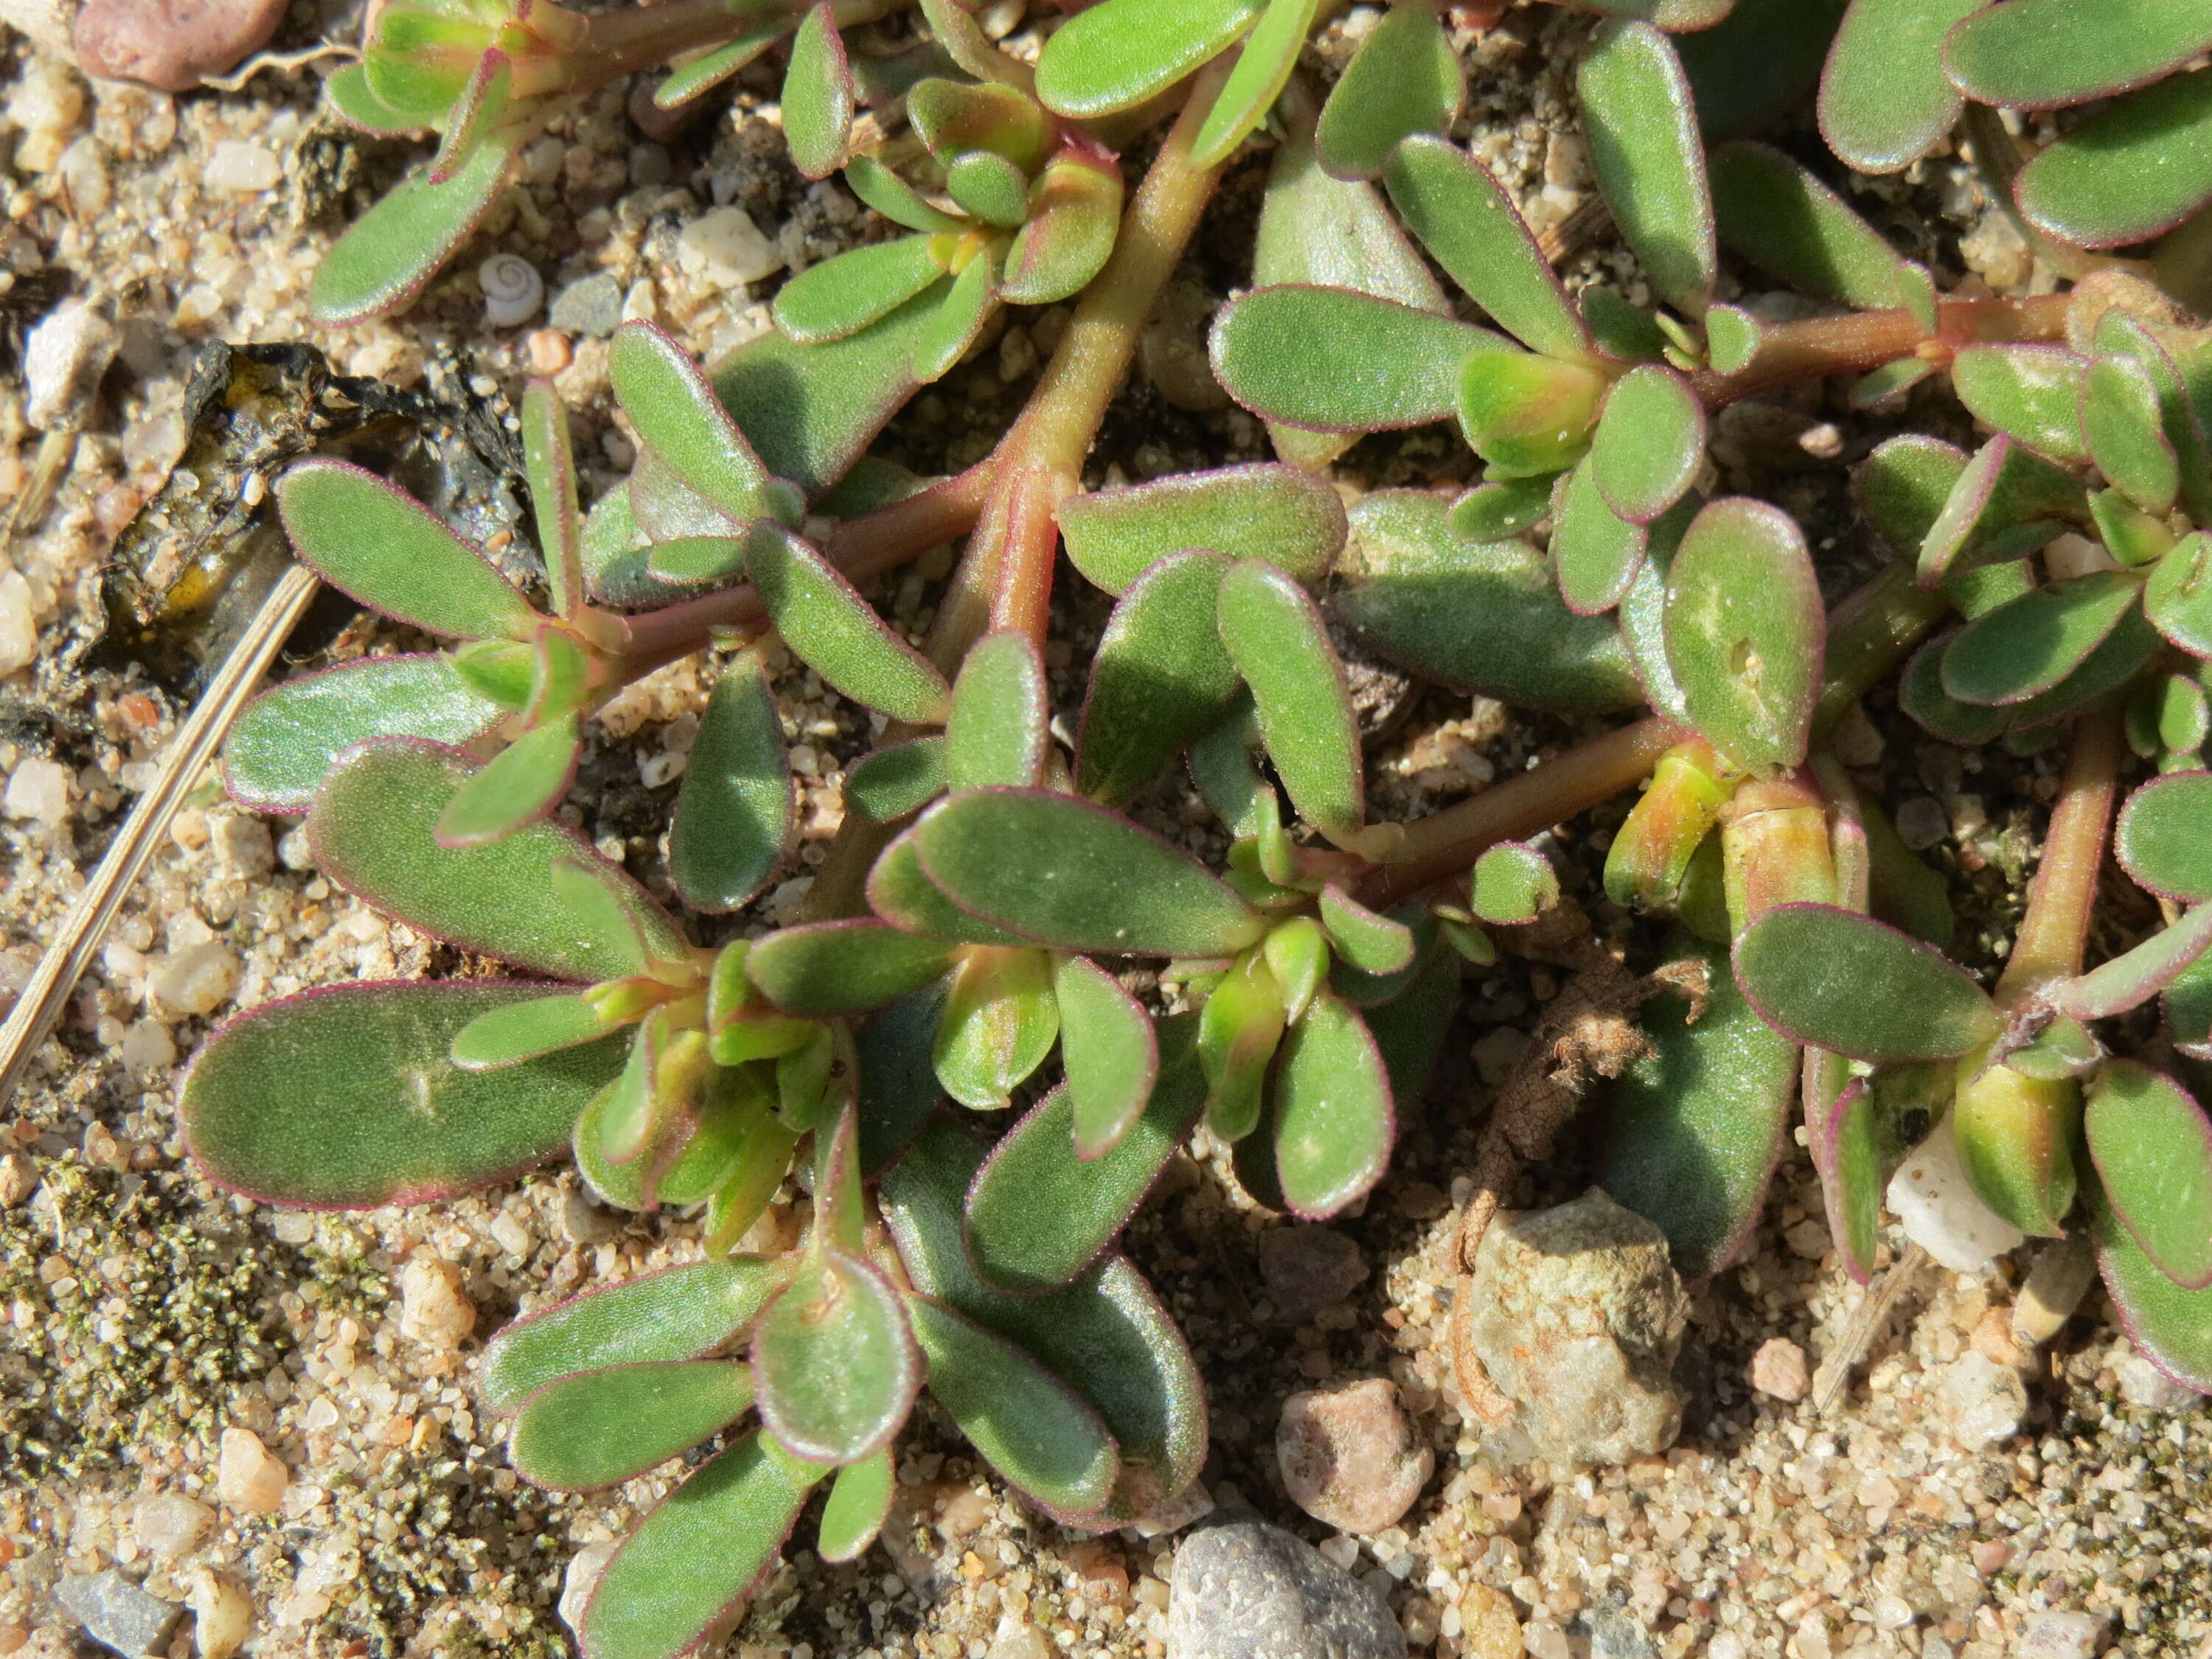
[
  {"x": 1578, "y": 1314},
  {"x": 1245, "y": 1589},
  {"x": 2064, "y": 1635},
  {"x": 1615, "y": 1635},
  {"x": 1349, "y": 1456},
  {"x": 1308, "y": 1268},
  {"x": 593, "y": 306},
  {"x": 1987, "y": 1402},
  {"x": 116, "y": 1614}
]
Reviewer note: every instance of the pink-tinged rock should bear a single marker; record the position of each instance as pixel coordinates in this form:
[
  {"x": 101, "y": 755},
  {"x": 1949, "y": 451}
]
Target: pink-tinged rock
[
  {"x": 172, "y": 45},
  {"x": 1778, "y": 1369},
  {"x": 1349, "y": 1457},
  {"x": 1307, "y": 1268}
]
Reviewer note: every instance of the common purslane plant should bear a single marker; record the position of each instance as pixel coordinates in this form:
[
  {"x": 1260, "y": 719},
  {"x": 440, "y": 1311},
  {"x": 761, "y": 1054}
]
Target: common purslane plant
[{"x": 992, "y": 929}]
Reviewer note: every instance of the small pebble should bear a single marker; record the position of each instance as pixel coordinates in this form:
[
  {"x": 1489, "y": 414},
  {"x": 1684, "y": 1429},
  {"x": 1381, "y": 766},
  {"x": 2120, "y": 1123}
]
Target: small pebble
[
  {"x": 433, "y": 1310},
  {"x": 1246, "y": 1589},
  {"x": 548, "y": 351},
  {"x": 726, "y": 247},
  {"x": 170, "y": 1524},
  {"x": 2063, "y": 1636},
  {"x": 593, "y": 306},
  {"x": 242, "y": 169},
  {"x": 64, "y": 358},
  {"x": 196, "y": 979},
  {"x": 243, "y": 844},
  {"x": 1490, "y": 1627},
  {"x": 1018, "y": 1639},
  {"x": 222, "y": 1614},
  {"x": 1778, "y": 1368},
  {"x": 2145, "y": 1386},
  {"x": 1987, "y": 1402},
  {"x": 512, "y": 289},
  {"x": 1922, "y": 823},
  {"x": 248, "y": 1475},
  {"x": 19, "y": 623},
  {"x": 584, "y": 1567},
  {"x": 172, "y": 45},
  {"x": 1348, "y": 1455},
  {"x": 115, "y": 1612},
  {"x": 1307, "y": 1268},
  {"x": 19, "y": 1179},
  {"x": 1941, "y": 1211}
]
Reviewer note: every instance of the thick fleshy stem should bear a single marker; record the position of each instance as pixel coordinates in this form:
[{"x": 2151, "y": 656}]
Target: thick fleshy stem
[
  {"x": 2055, "y": 931},
  {"x": 1821, "y": 346}
]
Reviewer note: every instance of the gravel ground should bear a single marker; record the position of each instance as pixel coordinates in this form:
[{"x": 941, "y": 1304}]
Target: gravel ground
[{"x": 271, "y": 1415}]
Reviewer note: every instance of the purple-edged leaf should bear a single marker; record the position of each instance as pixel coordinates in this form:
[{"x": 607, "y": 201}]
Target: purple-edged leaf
[
  {"x": 2015, "y": 1137},
  {"x": 735, "y": 813},
  {"x": 373, "y": 831},
  {"x": 1641, "y": 127},
  {"x": 1694, "y": 1130},
  {"x": 701, "y": 72},
  {"x": 1596, "y": 552},
  {"x": 817, "y": 95},
  {"x": 1501, "y": 509},
  {"x": 1297, "y": 954},
  {"x": 1760, "y": 65},
  {"x": 888, "y": 783},
  {"x": 2153, "y": 1149},
  {"x": 283, "y": 743},
  {"x": 2121, "y": 421},
  {"x": 1280, "y": 645},
  {"x": 1334, "y": 359},
  {"x": 1405, "y": 79},
  {"x": 1074, "y": 213},
  {"x": 890, "y": 195},
  {"x": 383, "y": 547},
  {"x": 2178, "y": 597},
  {"x": 860, "y": 1503},
  {"x": 826, "y": 969},
  {"x": 2040, "y": 54},
  {"x": 1683, "y": 15},
  {"x": 843, "y": 295},
  {"x": 1000, "y": 1021},
  {"x": 2164, "y": 837},
  {"x": 834, "y": 1360},
  {"x": 2172, "y": 1326},
  {"x": 2189, "y": 1009},
  {"x": 996, "y": 735},
  {"x": 958, "y": 322},
  {"x": 1039, "y": 1215},
  {"x": 676, "y": 414},
  {"x": 1902, "y": 486},
  {"x": 1512, "y": 883},
  {"x": 1077, "y": 877},
  {"x": 1885, "y": 100},
  {"x": 989, "y": 188},
  {"x": 1486, "y": 616},
  {"x": 1030, "y": 1426},
  {"x": 1777, "y": 215},
  {"x": 1333, "y": 1119},
  {"x": 508, "y": 1035},
  {"x": 1642, "y": 612},
  {"x": 551, "y": 467},
  {"x": 698, "y": 1552},
  {"x": 837, "y": 634},
  {"x": 474, "y": 114},
  {"x": 1848, "y": 1149},
  {"x": 2134, "y": 977},
  {"x": 1462, "y": 215},
  {"x": 601, "y": 1427},
  {"x": 1161, "y": 677},
  {"x": 1857, "y": 986},
  {"x": 355, "y": 102},
  {"x": 518, "y": 786},
  {"x": 952, "y": 117},
  {"x": 1526, "y": 414},
  {"x": 1110, "y": 1053},
  {"x": 391, "y": 252},
  {"x": 678, "y": 1313},
  {"x": 900, "y": 893},
  {"x": 2032, "y": 393},
  {"x": 348, "y": 1097},
  {"x": 2134, "y": 172},
  {"x": 1649, "y": 442},
  {"x": 1745, "y": 628},
  {"x": 1115, "y": 56},
  {"x": 1263, "y": 65},
  {"x": 1370, "y": 943},
  {"x": 1107, "y": 1334},
  {"x": 1283, "y": 514},
  {"x": 2029, "y": 645}
]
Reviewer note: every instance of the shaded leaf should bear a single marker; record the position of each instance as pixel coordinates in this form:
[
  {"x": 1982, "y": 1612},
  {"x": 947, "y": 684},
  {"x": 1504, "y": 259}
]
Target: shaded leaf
[
  {"x": 2173, "y": 1326},
  {"x": 1498, "y": 511},
  {"x": 824, "y": 968},
  {"x": 2126, "y": 438},
  {"x": 604, "y": 1427},
  {"x": 886, "y": 784},
  {"x": 1334, "y": 359},
  {"x": 1335, "y": 1122},
  {"x": 1111, "y": 1052},
  {"x": 1597, "y": 554},
  {"x": 1857, "y": 987},
  {"x": 1641, "y": 127},
  {"x": 837, "y": 634},
  {"x": 734, "y": 815},
  {"x": 1276, "y": 637},
  {"x": 1777, "y": 215},
  {"x": 958, "y": 321},
  {"x": 2006, "y": 502},
  {"x": 283, "y": 743},
  {"x": 1760, "y": 64},
  {"x": 2030, "y": 644},
  {"x": 1745, "y": 626},
  {"x": 860, "y": 1503},
  {"x": 1160, "y": 678},
  {"x": 2179, "y": 598}
]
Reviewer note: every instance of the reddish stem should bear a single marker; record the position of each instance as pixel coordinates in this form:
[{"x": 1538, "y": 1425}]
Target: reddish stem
[
  {"x": 2055, "y": 931},
  {"x": 1866, "y": 340}
]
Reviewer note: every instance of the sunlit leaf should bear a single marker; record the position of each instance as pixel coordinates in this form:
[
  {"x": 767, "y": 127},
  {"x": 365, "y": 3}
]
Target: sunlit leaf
[
  {"x": 843, "y": 295},
  {"x": 285, "y": 740},
  {"x": 1161, "y": 677},
  {"x": 702, "y": 72},
  {"x": 817, "y": 95},
  {"x": 958, "y": 321},
  {"x": 2130, "y": 173},
  {"x": 355, "y": 102},
  {"x": 1853, "y": 986},
  {"x": 1334, "y": 1122},
  {"x": 1512, "y": 883},
  {"x": 348, "y": 1097},
  {"x": 604, "y": 1427},
  {"x": 1111, "y": 1052},
  {"x": 2006, "y": 502},
  {"x": 837, "y": 634},
  {"x": 2164, "y": 837},
  {"x": 1000, "y": 703},
  {"x": 999, "y": 1021},
  {"x": 1238, "y": 1031},
  {"x": 2031, "y": 393},
  {"x": 524, "y": 1031},
  {"x": 2027, "y": 645},
  {"x": 1263, "y": 65},
  {"x": 2039, "y": 54},
  {"x": 890, "y": 195},
  {"x": 860, "y": 1503},
  {"x": 2135, "y": 977},
  {"x": 1649, "y": 161},
  {"x": 1280, "y": 646},
  {"x": 1649, "y": 442},
  {"x": 900, "y": 893},
  {"x": 1777, "y": 215},
  {"x": 2015, "y": 1136},
  {"x": 1885, "y": 100},
  {"x": 1115, "y": 55},
  {"x": 886, "y": 784},
  {"x": 551, "y": 468},
  {"x": 1334, "y": 359},
  {"x": 1290, "y": 518},
  {"x": 1074, "y": 215},
  {"x": 1405, "y": 79},
  {"x": 2189, "y": 1009},
  {"x": 521, "y": 785},
  {"x": 2172, "y": 1326},
  {"x": 390, "y": 253},
  {"x": 677, "y": 415},
  {"x": 834, "y": 1360},
  {"x": 2126, "y": 439},
  {"x": 1745, "y": 628}
]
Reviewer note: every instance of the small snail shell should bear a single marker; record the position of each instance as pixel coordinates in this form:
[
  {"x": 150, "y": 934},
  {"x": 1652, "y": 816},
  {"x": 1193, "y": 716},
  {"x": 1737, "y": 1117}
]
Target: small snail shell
[{"x": 512, "y": 289}]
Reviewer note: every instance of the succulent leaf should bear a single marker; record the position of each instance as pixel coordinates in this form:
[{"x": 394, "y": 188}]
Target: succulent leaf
[
  {"x": 2030, "y": 644},
  {"x": 1334, "y": 359},
  {"x": 1335, "y": 1122},
  {"x": 2134, "y": 172},
  {"x": 1405, "y": 79},
  {"x": 284, "y": 741},
  {"x": 389, "y": 255},
  {"x": 1777, "y": 215},
  {"x": 1745, "y": 628},
  {"x": 1885, "y": 100},
  {"x": 834, "y": 1360},
  {"x": 2040, "y": 54},
  {"x": 996, "y": 735},
  {"x": 1111, "y": 1052},
  {"x": 1280, "y": 645},
  {"x": 1263, "y": 65},
  {"x": 1286, "y": 516},
  {"x": 1642, "y": 125},
  {"x": 1115, "y": 55},
  {"x": 600, "y": 1427},
  {"x": 1844, "y": 982},
  {"x": 837, "y": 634},
  {"x": 2164, "y": 837}
]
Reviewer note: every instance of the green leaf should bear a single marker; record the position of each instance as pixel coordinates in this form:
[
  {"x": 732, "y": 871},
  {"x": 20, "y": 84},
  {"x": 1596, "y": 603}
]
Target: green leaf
[
  {"x": 1077, "y": 877},
  {"x": 1238, "y": 1031},
  {"x": 990, "y": 187},
  {"x": 356, "y": 104},
  {"x": 604, "y": 1427},
  {"x": 1074, "y": 213},
  {"x": 1885, "y": 100},
  {"x": 1902, "y": 486},
  {"x": 1650, "y": 440},
  {"x": 2031, "y": 392},
  {"x": 2041, "y": 54},
  {"x": 1462, "y": 215},
  {"x": 2189, "y": 1009},
  {"x": 1370, "y": 943},
  {"x": 1501, "y": 510},
  {"x": 958, "y": 321},
  {"x": 825, "y": 968},
  {"x": 999, "y": 706},
  {"x": 2179, "y": 598},
  {"x": 475, "y": 113},
  {"x": 702, "y": 72},
  {"x": 998, "y": 1024},
  {"x": 1109, "y": 1051},
  {"x": 550, "y": 465},
  {"x": 521, "y": 785},
  {"x": 1525, "y": 414},
  {"x": 285, "y": 740},
  {"x": 2005, "y": 504},
  {"x": 1221, "y": 767},
  {"x": 887, "y": 784},
  {"x": 834, "y": 1360},
  {"x": 2016, "y": 1137},
  {"x": 1745, "y": 628},
  {"x": 2029, "y": 645},
  {"x": 1280, "y": 645},
  {"x": 1030, "y": 1426},
  {"x": 1649, "y": 161},
  {"x": 1695, "y": 1127},
  {"x": 1485, "y": 616},
  {"x": 1849, "y": 984},
  {"x": 860, "y": 1503},
  {"x": 890, "y": 195},
  {"x": 385, "y": 549},
  {"x": 1270, "y": 53},
  {"x": 1161, "y": 677},
  {"x": 1760, "y": 65},
  {"x": 903, "y": 895},
  {"x": 372, "y": 829},
  {"x": 1777, "y": 215},
  {"x": 1334, "y": 359},
  {"x": 2171, "y": 1325},
  {"x": 678, "y": 1313},
  {"x": 2134, "y": 172},
  {"x": 817, "y": 95},
  {"x": 1512, "y": 883},
  {"x": 1333, "y": 1119},
  {"x": 2161, "y": 838},
  {"x": 810, "y": 411},
  {"x": 348, "y": 1097},
  {"x": 698, "y": 1552},
  {"x": 1597, "y": 553},
  {"x": 677, "y": 415},
  {"x": 837, "y": 634},
  {"x": 2120, "y": 419},
  {"x": 390, "y": 253},
  {"x": 1107, "y": 1333},
  {"x": 1404, "y": 79},
  {"x": 1283, "y": 514},
  {"x": 2135, "y": 977},
  {"x": 735, "y": 813},
  {"x": 524, "y": 1031},
  {"x": 1116, "y": 55},
  {"x": 1039, "y": 1214},
  {"x": 843, "y": 295}
]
